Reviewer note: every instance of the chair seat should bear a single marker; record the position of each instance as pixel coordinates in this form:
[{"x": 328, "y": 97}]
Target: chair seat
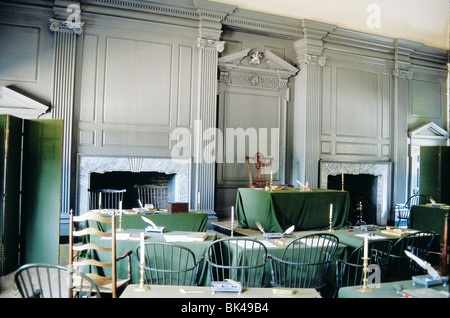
[{"x": 104, "y": 285}]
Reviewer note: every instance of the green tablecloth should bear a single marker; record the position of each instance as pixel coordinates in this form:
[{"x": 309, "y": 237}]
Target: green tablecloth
[
  {"x": 192, "y": 221},
  {"x": 277, "y": 210},
  {"x": 386, "y": 290},
  {"x": 198, "y": 248},
  {"x": 428, "y": 218}
]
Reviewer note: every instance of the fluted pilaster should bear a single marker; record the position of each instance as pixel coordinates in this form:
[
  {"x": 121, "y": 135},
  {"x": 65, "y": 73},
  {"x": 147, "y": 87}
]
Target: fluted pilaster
[
  {"x": 205, "y": 160},
  {"x": 62, "y": 103},
  {"x": 307, "y": 108}
]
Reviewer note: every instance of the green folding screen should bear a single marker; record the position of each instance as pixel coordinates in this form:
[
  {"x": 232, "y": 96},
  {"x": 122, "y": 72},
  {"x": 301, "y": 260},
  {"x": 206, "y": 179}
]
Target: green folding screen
[
  {"x": 11, "y": 138},
  {"x": 32, "y": 165}
]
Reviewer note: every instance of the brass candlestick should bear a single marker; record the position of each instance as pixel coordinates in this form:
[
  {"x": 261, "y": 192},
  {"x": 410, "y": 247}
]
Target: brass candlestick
[
  {"x": 364, "y": 288},
  {"x": 330, "y": 229},
  {"x": 141, "y": 286},
  {"x": 342, "y": 181}
]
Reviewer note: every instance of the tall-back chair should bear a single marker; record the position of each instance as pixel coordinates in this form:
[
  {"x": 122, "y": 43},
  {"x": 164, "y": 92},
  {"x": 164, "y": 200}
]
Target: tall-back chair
[
  {"x": 239, "y": 259},
  {"x": 90, "y": 237},
  {"x": 304, "y": 262},
  {"x": 260, "y": 165},
  {"x": 153, "y": 194},
  {"x": 169, "y": 264},
  {"x": 105, "y": 198},
  {"x": 402, "y": 267},
  {"x": 53, "y": 281}
]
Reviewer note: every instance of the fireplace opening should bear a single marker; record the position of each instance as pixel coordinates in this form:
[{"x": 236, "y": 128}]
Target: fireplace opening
[
  {"x": 127, "y": 180},
  {"x": 363, "y": 196}
]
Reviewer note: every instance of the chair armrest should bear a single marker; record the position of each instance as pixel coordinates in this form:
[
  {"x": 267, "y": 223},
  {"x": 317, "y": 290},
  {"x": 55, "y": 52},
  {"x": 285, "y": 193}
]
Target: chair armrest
[
  {"x": 127, "y": 253},
  {"x": 200, "y": 259}
]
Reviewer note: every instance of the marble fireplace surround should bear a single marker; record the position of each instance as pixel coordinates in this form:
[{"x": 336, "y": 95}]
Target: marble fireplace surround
[
  {"x": 101, "y": 164},
  {"x": 382, "y": 170}
]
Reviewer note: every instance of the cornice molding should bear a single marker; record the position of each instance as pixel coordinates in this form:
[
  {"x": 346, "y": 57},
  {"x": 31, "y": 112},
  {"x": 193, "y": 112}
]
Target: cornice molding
[{"x": 318, "y": 35}]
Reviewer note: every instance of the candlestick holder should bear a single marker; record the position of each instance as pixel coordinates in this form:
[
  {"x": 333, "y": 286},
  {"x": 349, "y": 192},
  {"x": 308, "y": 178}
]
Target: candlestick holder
[
  {"x": 364, "y": 288},
  {"x": 331, "y": 229},
  {"x": 141, "y": 286}
]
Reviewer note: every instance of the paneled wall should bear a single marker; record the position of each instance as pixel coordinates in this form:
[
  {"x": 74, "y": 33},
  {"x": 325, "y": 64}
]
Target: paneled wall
[
  {"x": 137, "y": 85},
  {"x": 356, "y": 112}
]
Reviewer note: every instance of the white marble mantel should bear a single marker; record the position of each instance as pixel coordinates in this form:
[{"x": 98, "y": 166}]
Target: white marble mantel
[
  {"x": 382, "y": 170},
  {"x": 100, "y": 164}
]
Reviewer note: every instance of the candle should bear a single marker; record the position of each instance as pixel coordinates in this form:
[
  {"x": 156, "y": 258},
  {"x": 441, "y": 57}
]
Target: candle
[
  {"x": 232, "y": 216},
  {"x": 99, "y": 200},
  {"x": 366, "y": 246},
  {"x": 198, "y": 200},
  {"x": 142, "y": 248},
  {"x": 120, "y": 205},
  {"x": 331, "y": 212}
]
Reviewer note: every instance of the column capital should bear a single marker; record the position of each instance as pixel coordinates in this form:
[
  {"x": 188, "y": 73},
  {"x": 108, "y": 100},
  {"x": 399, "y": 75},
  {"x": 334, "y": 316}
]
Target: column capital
[
  {"x": 308, "y": 59},
  {"x": 65, "y": 25},
  {"x": 203, "y": 43},
  {"x": 398, "y": 73}
]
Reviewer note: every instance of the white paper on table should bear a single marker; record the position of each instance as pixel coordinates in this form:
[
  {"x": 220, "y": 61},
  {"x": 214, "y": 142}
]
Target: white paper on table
[
  {"x": 268, "y": 244},
  {"x": 315, "y": 241},
  {"x": 246, "y": 244},
  {"x": 371, "y": 237},
  {"x": 176, "y": 238},
  {"x": 119, "y": 236}
]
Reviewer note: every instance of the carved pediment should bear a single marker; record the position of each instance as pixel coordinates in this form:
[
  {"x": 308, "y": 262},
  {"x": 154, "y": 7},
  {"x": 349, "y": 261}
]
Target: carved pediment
[
  {"x": 429, "y": 131},
  {"x": 256, "y": 69},
  {"x": 16, "y": 104}
]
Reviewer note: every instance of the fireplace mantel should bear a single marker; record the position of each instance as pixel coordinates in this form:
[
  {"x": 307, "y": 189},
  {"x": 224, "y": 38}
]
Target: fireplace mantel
[
  {"x": 101, "y": 164},
  {"x": 382, "y": 170}
]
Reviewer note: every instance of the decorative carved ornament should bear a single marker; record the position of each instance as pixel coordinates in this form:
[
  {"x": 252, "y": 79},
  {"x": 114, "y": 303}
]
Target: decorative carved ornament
[
  {"x": 57, "y": 25},
  {"x": 204, "y": 43},
  {"x": 398, "y": 73},
  {"x": 308, "y": 59},
  {"x": 255, "y": 69}
]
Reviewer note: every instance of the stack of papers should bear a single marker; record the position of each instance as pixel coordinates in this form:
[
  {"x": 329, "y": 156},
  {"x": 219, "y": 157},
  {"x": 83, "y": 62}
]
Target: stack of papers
[{"x": 192, "y": 237}]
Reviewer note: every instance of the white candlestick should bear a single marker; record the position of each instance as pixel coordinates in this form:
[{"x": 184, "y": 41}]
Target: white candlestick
[
  {"x": 232, "y": 216},
  {"x": 331, "y": 211},
  {"x": 366, "y": 246},
  {"x": 142, "y": 248}
]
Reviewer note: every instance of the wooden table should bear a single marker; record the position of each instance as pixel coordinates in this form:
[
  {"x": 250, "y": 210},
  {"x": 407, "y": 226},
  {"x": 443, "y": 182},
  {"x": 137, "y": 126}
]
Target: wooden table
[
  {"x": 279, "y": 209},
  {"x": 167, "y": 291}
]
